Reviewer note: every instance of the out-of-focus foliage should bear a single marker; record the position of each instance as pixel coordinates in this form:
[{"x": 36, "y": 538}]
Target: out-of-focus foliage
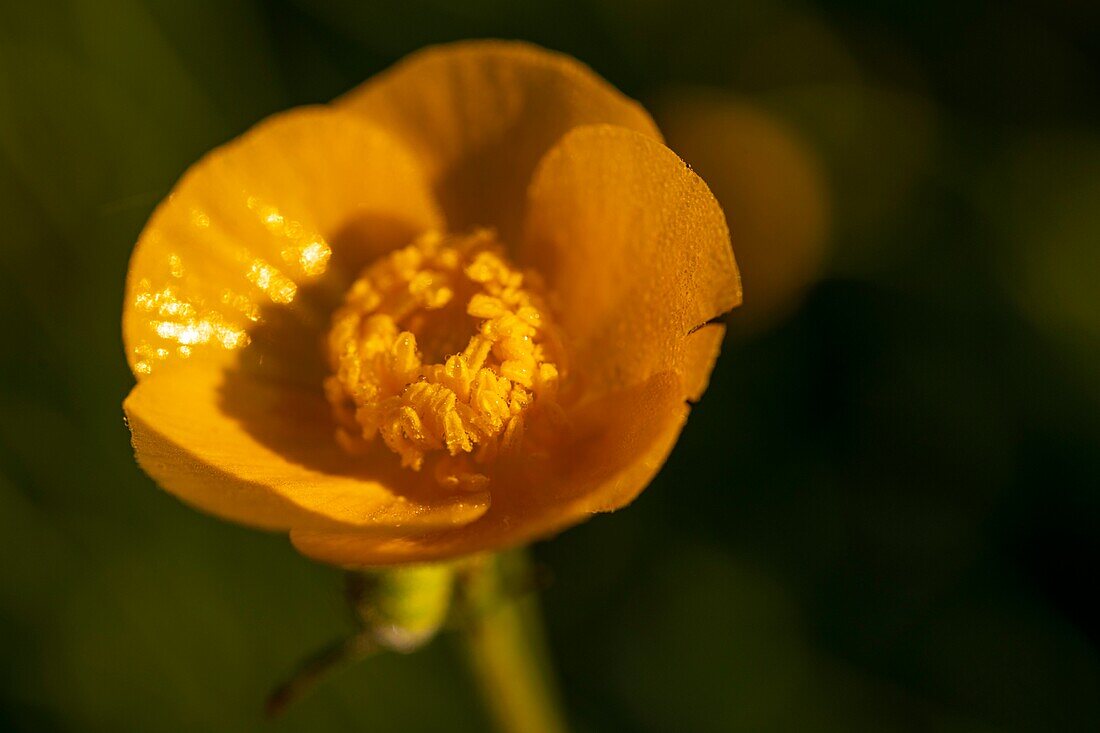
[{"x": 885, "y": 515}]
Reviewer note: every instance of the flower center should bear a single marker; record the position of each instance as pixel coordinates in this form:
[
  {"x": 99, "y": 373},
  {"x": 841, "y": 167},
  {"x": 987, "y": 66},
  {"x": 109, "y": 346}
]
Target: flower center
[{"x": 447, "y": 352}]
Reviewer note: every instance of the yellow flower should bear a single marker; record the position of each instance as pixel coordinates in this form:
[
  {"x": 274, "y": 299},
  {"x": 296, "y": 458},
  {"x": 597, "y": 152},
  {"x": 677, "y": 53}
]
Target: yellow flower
[{"x": 462, "y": 307}]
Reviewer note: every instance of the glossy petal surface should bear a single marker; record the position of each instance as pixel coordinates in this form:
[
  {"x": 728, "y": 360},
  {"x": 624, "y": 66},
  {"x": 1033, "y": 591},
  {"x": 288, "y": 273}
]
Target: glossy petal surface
[
  {"x": 241, "y": 263},
  {"x": 229, "y": 291}
]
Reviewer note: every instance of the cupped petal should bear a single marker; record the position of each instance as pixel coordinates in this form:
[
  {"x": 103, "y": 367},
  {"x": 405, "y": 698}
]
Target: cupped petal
[
  {"x": 264, "y": 454},
  {"x": 480, "y": 114},
  {"x": 636, "y": 251},
  {"x": 241, "y": 263},
  {"x": 616, "y": 444}
]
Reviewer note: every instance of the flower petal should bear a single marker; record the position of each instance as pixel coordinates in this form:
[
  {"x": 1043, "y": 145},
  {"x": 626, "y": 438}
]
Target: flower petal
[
  {"x": 480, "y": 114},
  {"x": 636, "y": 251},
  {"x": 771, "y": 185},
  {"x": 618, "y": 443},
  {"x": 252, "y": 244},
  {"x": 264, "y": 454}
]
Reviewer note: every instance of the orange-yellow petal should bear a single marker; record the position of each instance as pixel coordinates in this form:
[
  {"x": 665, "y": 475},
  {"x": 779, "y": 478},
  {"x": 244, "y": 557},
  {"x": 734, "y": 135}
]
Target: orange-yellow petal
[
  {"x": 264, "y": 454},
  {"x": 480, "y": 114},
  {"x": 771, "y": 186},
  {"x": 617, "y": 444},
  {"x": 241, "y": 261},
  {"x": 636, "y": 251}
]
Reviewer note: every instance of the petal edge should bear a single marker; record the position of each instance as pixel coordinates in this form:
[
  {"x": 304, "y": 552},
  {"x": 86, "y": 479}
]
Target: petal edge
[
  {"x": 480, "y": 115},
  {"x": 637, "y": 252},
  {"x": 263, "y": 454}
]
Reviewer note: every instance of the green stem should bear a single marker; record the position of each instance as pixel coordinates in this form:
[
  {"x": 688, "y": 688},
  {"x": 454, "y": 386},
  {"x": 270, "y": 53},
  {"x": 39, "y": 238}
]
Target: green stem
[{"x": 507, "y": 646}]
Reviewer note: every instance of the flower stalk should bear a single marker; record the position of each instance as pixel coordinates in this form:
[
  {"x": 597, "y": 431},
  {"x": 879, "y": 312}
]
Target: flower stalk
[
  {"x": 487, "y": 599},
  {"x": 506, "y": 645}
]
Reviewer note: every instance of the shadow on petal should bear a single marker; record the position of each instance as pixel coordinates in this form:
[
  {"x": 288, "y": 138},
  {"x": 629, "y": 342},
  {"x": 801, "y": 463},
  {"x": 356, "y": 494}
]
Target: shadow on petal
[
  {"x": 287, "y": 342},
  {"x": 480, "y": 115},
  {"x": 614, "y": 447},
  {"x": 261, "y": 453}
]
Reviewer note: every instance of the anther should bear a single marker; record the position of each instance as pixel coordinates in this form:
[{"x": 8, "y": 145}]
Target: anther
[{"x": 462, "y": 410}]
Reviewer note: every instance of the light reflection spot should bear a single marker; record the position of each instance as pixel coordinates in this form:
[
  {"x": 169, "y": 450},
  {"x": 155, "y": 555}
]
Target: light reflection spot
[{"x": 273, "y": 283}]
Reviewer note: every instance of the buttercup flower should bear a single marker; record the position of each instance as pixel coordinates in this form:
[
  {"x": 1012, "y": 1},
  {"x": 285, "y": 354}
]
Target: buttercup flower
[{"x": 462, "y": 307}]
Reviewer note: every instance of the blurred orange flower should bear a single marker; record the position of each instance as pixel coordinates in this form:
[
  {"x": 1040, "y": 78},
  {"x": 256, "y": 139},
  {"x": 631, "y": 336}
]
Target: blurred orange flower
[{"x": 460, "y": 308}]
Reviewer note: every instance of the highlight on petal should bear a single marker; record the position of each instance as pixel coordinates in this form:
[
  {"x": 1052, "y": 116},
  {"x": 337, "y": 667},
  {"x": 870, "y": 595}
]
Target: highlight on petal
[
  {"x": 263, "y": 454},
  {"x": 616, "y": 445},
  {"x": 261, "y": 235},
  {"x": 635, "y": 249},
  {"x": 771, "y": 186},
  {"x": 480, "y": 115}
]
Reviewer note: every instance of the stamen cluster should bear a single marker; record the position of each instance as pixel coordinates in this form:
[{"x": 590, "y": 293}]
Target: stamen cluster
[{"x": 400, "y": 368}]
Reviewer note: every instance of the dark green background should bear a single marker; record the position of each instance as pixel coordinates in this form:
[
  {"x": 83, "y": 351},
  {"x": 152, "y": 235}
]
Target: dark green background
[{"x": 882, "y": 517}]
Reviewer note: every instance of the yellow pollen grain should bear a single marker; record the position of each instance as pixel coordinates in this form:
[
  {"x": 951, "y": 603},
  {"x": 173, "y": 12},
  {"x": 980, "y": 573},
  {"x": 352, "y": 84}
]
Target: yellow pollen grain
[{"x": 442, "y": 348}]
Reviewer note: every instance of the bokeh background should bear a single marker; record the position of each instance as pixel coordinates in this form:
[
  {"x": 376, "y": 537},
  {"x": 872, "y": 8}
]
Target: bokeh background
[{"x": 883, "y": 516}]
